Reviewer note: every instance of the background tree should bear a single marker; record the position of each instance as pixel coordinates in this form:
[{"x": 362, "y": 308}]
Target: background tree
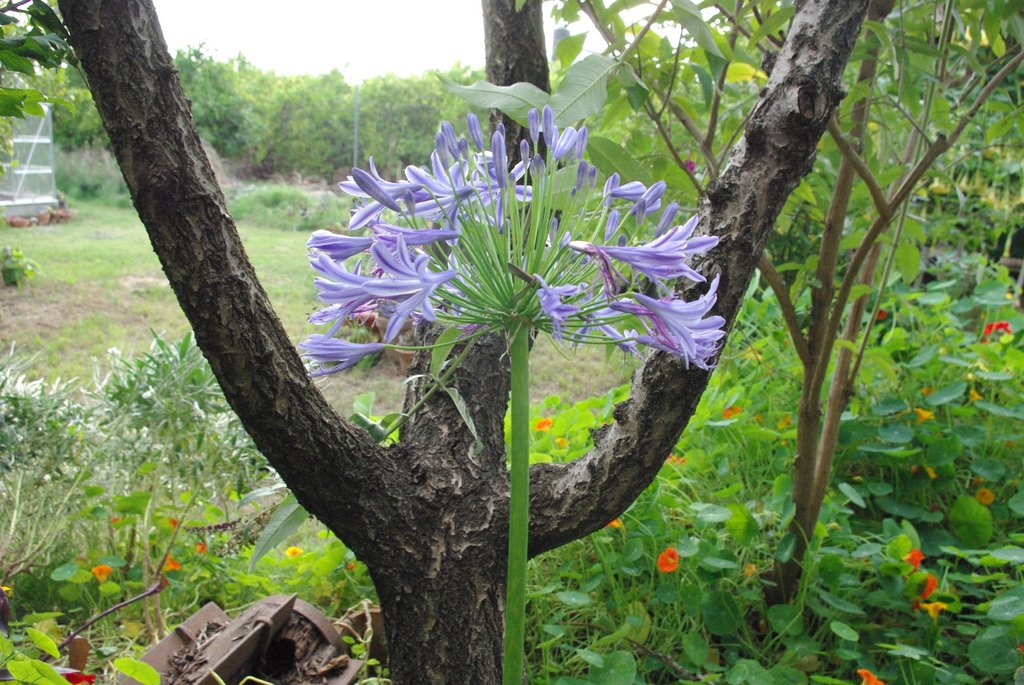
[{"x": 429, "y": 516}]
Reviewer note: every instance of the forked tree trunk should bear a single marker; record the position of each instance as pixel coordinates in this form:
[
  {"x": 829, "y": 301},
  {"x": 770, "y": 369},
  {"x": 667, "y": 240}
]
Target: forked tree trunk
[{"x": 429, "y": 516}]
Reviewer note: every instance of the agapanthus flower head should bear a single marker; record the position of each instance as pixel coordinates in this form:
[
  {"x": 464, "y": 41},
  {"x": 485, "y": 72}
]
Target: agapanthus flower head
[{"x": 469, "y": 242}]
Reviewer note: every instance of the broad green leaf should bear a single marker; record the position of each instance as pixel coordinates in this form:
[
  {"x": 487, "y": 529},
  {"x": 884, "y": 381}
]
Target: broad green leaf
[
  {"x": 908, "y": 261},
  {"x": 739, "y": 72},
  {"x": 287, "y": 518},
  {"x": 844, "y": 631},
  {"x": 569, "y": 48},
  {"x": 64, "y": 572},
  {"x": 896, "y": 433},
  {"x": 1016, "y": 503},
  {"x": 852, "y": 494},
  {"x": 571, "y": 598},
  {"x": 971, "y": 521},
  {"x": 994, "y": 650},
  {"x": 840, "y": 603},
  {"x": 139, "y": 670},
  {"x": 1006, "y": 608},
  {"x": 456, "y": 397},
  {"x": 515, "y": 100},
  {"x": 34, "y": 671},
  {"x": 43, "y": 642},
  {"x": 363, "y": 404},
  {"x": 583, "y": 89},
  {"x": 695, "y": 647},
  {"x": 748, "y": 672},
  {"x": 742, "y": 525},
  {"x": 689, "y": 15},
  {"x": 609, "y": 157},
  {"x": 786, "y": 619},
  {"x": 720, "y": 613},
  {"x": 946, "y": 394},
  {"x": 618, "y": 668}
]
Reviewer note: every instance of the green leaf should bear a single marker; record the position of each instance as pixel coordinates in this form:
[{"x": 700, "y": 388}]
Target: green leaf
[
  {"x": 840, "y": 603},
  {"x": 460, "y": 404},
  {"x": 1016, "y": 503},
  {"x": 947, "y": 394},
  {"x": 583, "y": 89},
  {"x": 742, "y": 525},
  {"x": 844, "y": 631},
  {"x": 135, "y": 503},
  {"x": 772, "y": 24},
  {"x": 569, "y": 48},
  {"x": 786, "y": 619},
  {"x": 363, "y": 404},
  {"x": 16, "y": 62},
  {"x": 618, "y": 668},
  {"x": 852, "y": 494},
  {"x": 994, "y": 650},
  {"x": 690, "y": 17},
  {"x": 287, "y": 518},
  {"x": 908, "y": 261},
  {"x": 33, "y": 671},
  {"x": 1006, "y": 608},
  {"x": 971, "y": 521},
  {"x": 609, "y": 156},
  {"x": 571, "y": 598},
  {"x": 786, "y": 547},
  {"x": 515, "y": 100},
  {"x": 43, "y": 642},
  {"x": 695, "y": 647},
  {"x": 139, "y": 670},
  {"x": 442, "y": 348},
  {"x": 64, "y": 572},
  {"x": 896, "y": 433},
  {"x": 720, "y": 613}
]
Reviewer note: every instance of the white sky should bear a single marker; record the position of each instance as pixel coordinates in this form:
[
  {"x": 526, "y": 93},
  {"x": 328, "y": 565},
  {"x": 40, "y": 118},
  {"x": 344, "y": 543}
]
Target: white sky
[{"x": 360, "y": 38}]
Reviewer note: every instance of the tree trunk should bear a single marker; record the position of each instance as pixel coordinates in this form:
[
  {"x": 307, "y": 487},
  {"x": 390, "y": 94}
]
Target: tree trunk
[
  {"x": 516, "y": 53},
  {"x": 429, "y": 516}
]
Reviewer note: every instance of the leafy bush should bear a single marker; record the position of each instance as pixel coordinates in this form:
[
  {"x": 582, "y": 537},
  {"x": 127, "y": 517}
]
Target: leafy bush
[
  {"x": 289, "y": 207},
  {"x": 90, "y": 173}
]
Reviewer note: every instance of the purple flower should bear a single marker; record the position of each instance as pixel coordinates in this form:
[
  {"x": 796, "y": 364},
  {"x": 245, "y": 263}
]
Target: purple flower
[
  {"x": 664, "y": 258},
  {"x": 677, "y": 327},
  {"x": 690, "y": 165},
  {"x": 667, "y": 217},
  {"x": 552, "y": 305},
  {"x": 566, "y": 143},
  {"x": 323, "y": 350},
  {"x": 547, "y": 119},
  {"x": 473, "y": 124},
  {"x": 500, "y": 158},
  {"x": 339, "y": 247},
  {"x": 581, "y": 141},
  {"x": 533, "y": 119},
  {"x": 370, "y": 186}
]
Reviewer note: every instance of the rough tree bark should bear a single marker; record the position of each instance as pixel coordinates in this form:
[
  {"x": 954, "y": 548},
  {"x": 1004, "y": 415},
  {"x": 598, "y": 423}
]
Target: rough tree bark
[
  {"x": 429, "y": 516},
  {"x": 515, "y": 50}
]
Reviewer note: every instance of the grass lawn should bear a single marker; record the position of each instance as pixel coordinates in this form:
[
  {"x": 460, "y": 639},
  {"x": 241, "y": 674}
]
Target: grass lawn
[{"x": 101, "y": 286}]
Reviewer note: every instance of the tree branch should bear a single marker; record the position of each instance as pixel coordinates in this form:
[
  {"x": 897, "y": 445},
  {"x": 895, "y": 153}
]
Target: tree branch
[
  {"x": 851, "y": 156},
  {"x": 777, "y": 150},
  {"x": 778, "y": 287}
]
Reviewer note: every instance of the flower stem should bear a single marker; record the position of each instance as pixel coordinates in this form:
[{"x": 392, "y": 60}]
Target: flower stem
[{"x": 519, "y": 506}]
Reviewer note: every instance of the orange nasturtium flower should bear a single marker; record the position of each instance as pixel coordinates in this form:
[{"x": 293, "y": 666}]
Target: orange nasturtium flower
[
  {"x": 868, "y": 678},
  {"x": 615, "y": 523},
  {"x": 985, "y": 496},
  {"x": 668, "y": 561},
  {"x": 561, "y": 443},
  {"x": 102, "y": 572},
  {"x": 927, "y": 390},
  {"x": 543, "y": 424},
  {"x": 923, "y": 414},
  {"x": 930, "y": 584},
  {"x": 914, "y": 558},
  {"x": 975, "y": 395},
  {"x": 785, "y": 422},
  {"x": 750, "y": 570},
  {"x": 730, "y": 412},
  {"x": 200, "y": 548},
  {"x": 171, "y": 564},
  {"x": 172, "y": 522},
  {"x": 933, "y": 608},
  {"x": 293, "y": 552}
]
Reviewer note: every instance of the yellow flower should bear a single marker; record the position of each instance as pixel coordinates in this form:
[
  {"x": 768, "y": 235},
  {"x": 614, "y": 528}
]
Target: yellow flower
[
  {"x": 975, "y": 395},
  {"x": 923, "y": 414},
  {"x": 171, "y": 564},
  {"x": 293, "y": 552},
  {"x": 561, "y": 443},
  {"x": 733, "y": 411},
  {"x": 7, "y": 591},
  {"x": 933, "y": 608},
  {"x": 985, "y": 496},
  {"x": 927, "y": 390},
  {"x": 615, "y": 523},
  {"x": 750, "y": 570},
  {"x": 785, "y": 422},
  {"x": 931, "y": 472}
]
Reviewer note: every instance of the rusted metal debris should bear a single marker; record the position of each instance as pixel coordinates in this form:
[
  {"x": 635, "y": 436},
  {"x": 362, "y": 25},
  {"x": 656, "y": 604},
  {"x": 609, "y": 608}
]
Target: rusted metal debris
[{"x": 280, "y": 639}]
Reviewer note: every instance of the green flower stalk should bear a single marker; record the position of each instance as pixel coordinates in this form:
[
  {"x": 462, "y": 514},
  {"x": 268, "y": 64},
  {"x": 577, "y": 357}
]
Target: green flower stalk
[{"x": 472, "y": 244}]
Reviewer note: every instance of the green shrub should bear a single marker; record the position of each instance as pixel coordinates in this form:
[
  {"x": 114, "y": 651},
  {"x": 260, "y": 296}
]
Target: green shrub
[
  {"x": 90, "y": 173},
  {"x": 288, "y": 207}
]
